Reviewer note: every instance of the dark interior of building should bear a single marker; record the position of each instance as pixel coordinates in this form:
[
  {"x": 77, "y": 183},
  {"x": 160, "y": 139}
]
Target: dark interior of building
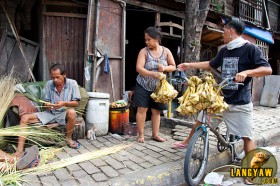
[
  {"x": 137, "y": 20},
  {"x": 274, "y": 57}
]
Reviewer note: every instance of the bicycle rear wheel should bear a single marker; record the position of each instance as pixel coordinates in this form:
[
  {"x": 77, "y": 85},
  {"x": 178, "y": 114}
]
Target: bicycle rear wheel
[{"x": 196, "y": 158}]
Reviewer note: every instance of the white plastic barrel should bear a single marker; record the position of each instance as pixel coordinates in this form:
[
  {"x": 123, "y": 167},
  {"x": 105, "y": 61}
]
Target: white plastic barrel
[{"x": 97, "y": 112}]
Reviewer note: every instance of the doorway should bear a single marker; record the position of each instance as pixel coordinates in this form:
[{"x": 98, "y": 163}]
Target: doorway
[{"x": 137, "y": 20}]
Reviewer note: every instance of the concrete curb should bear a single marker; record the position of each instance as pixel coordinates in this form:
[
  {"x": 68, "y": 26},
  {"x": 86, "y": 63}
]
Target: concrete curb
[
  {"x": 173, "y": 173},
  {"x": 162, "y": 175},
  {"x": 168, "y": 173},
  {"x": 264, "y": 138},
  {"x": 172, "y": 122}
]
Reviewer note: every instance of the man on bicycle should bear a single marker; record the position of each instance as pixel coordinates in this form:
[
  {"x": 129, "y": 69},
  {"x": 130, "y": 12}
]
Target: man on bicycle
[{"x": 238, "y": 60}]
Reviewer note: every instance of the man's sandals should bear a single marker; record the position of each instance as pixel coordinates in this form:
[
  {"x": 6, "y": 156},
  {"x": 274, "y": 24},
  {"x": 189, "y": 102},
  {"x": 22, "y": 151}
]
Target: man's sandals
[
  {"x": 74, "y": 145},
  {"x": 30, "y": 158}
]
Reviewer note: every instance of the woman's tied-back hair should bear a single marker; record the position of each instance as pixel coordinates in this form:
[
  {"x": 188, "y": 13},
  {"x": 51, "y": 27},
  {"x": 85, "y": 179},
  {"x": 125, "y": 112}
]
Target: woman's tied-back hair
[
  {"x": 154, "y": 33},
  {"x": 58, "y": 66},
  {"x": 236, "y": 24}
]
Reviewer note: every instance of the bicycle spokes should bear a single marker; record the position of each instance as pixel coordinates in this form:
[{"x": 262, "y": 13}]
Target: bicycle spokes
[{"x": 196, "y": 158}]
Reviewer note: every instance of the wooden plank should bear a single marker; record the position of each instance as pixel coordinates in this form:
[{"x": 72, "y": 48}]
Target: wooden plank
[
  {"x": 59, "y": 14},
  {"x": 270, "y": 92},
  {"x": 61, "y": 3},
  {"x": 229, "y": 7},
  {"x": 257, "y": 88},
  {"x": 155, "y": 8},
  {"x": 211, "y": 36},
  {"x": 171, "y": 35},
  {"x": 157, "y": 18},
  {"x": 109, "y": 40},
  {"x": 213, "y": 25},
  {"x": 170, "y": 24}
]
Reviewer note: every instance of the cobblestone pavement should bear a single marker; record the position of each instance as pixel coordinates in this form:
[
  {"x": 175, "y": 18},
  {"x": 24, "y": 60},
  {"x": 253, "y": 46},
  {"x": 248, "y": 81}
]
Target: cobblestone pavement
[{"x": 141, "y": 160}]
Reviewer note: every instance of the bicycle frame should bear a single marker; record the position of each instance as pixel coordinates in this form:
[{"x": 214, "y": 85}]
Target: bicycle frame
[
  {"x": 205, "y": 126},
  {"x": 205, "y": 129}
]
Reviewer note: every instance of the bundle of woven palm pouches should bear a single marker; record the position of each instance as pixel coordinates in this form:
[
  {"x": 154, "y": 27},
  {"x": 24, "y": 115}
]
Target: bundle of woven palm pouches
[
  {"x": 164, "y": 91},
  {"x": 201, "y": 94}
]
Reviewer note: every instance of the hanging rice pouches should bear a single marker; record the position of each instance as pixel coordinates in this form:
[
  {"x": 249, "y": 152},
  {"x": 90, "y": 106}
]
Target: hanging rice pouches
[
  {"x": 201, "y": 94},
  {"x": 164, "y": 92}
]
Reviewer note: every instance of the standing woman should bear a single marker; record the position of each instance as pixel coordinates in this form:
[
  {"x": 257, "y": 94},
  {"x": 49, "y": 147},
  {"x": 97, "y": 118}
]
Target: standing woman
[{"x": 152, "y": 61}]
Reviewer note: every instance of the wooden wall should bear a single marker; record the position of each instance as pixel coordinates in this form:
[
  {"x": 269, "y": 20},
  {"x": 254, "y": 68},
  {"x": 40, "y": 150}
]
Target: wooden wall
[
  {"x": 274, "y": 14},
  {"x": 229, "y": 7},
  {"x": 64, "y": 41},
  {"x": 63, "y": 37}
]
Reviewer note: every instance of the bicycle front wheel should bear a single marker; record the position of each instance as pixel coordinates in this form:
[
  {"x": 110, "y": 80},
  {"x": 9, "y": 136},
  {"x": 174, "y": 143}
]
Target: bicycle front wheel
[{"x": 196, "y": 158}]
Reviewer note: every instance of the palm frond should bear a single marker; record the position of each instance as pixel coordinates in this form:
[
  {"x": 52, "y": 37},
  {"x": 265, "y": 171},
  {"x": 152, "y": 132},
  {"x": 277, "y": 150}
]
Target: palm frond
[
  {"x": 35, "y": 134},
  {"x": 7, "y": 93},
  {"x": 41, "y": 169}
]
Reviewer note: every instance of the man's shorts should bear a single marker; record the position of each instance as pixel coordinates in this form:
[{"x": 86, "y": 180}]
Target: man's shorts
[
  {"x": 47, "y": 117},
  {"x": 239, "y": 120},
  {"x": 142, "y": 98}
]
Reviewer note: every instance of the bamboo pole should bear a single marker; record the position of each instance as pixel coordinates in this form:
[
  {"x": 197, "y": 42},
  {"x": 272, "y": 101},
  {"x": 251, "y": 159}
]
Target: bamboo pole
[{"x": 169, "y": 113}]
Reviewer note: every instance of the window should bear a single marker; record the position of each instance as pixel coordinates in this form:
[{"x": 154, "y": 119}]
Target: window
[
  {"x": 264, "y": 48},
  {"x": 250, "y": 11}
]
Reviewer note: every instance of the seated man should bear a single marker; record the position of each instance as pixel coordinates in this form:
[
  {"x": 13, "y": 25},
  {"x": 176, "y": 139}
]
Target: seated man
[{"x": 60, "y": 93}]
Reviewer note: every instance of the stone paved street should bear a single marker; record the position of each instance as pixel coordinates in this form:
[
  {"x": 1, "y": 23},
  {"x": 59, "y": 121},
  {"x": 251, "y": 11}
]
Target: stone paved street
[{"x": 149, "y": 163}]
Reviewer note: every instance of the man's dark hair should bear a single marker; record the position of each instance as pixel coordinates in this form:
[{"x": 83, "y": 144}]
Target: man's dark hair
[
  {"x": 58, "y": 66},
  {"x": 236, "y": 24},
  {"x": 154, "y": 33}
]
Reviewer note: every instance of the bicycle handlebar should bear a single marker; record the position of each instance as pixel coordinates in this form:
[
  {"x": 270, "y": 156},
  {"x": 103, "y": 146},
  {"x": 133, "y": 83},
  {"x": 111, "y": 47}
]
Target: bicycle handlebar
[
  {"x": 227, "y": 81},
  {"x": 231, "y": 81}
]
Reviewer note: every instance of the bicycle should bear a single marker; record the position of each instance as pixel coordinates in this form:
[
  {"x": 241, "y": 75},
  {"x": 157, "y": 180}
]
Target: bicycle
[{"x": 196, "y": 157}]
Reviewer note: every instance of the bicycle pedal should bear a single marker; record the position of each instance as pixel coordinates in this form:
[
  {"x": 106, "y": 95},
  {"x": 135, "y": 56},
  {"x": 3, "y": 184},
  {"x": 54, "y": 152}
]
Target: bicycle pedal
[{"x": 237, "y": 162}]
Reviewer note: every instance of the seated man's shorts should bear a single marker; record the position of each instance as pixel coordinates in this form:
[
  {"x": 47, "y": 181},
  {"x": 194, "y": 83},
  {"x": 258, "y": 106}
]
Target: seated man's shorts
[{"x": 48, "y": 117}]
